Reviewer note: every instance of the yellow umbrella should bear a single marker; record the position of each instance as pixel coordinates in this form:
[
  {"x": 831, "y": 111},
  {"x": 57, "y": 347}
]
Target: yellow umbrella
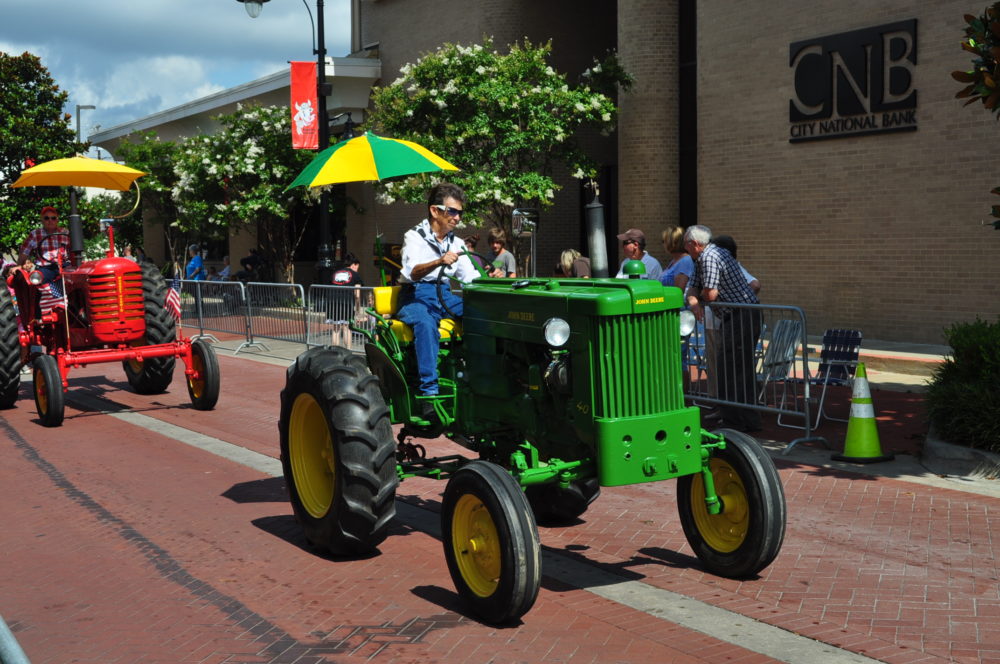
[{"x": 79, "y": 172}]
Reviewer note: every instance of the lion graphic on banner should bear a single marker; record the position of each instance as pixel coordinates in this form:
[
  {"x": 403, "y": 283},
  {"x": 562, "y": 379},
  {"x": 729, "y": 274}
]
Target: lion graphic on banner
[{"x": 304, "y": 116}]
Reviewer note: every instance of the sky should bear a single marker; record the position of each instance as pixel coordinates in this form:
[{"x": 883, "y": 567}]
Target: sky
[{"x": 130, "y": 58}]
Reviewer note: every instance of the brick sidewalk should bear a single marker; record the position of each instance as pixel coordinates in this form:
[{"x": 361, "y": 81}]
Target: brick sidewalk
[{"x": 123, "y": 545}]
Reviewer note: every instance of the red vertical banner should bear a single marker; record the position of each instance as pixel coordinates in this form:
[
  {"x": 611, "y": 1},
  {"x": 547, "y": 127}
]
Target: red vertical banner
[{"x": 304, "y": 106}]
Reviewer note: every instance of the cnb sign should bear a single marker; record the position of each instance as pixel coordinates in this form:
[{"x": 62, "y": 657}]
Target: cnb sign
[{"x": 854, "y": 83}]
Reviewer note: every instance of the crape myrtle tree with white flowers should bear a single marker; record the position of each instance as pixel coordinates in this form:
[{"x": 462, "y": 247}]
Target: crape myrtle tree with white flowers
[
  {"x": 236, "y": 178},
  {"x": 504, "y": 119}
]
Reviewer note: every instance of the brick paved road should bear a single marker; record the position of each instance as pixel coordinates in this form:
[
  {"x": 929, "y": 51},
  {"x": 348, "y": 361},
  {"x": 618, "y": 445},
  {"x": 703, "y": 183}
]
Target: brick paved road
[{"x": 121, "y": 544}]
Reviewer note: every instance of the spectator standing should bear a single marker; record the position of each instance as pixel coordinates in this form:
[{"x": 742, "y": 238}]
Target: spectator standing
[
  {"x": 224, "y": 273},
  {"x": 501, "y": 260},
  {"x": 195, "y": 269},
  {"x": 346, "y": 305},
  {"x": 680, "y": 268},
  {"x": 471, "y": 243},
  {"x": 573, "y": 264},
  {"x": 634, "y": 247},
  {"x": 719, "y": 279},
  {"x": 712, "y": 325}
]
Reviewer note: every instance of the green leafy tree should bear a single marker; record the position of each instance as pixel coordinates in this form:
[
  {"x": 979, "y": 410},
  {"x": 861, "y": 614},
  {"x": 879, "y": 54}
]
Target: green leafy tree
[
  {"x": 33, "y": 129},
  {"x": 505, "y": 119},
  {"x": 236, "y": 179},
  {"x": 982, "y": 39},
  {"x": 146, "y": 152}
]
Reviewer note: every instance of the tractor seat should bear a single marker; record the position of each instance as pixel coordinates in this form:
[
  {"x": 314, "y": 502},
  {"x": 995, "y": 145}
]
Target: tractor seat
[{"x": 387, "y": 304}]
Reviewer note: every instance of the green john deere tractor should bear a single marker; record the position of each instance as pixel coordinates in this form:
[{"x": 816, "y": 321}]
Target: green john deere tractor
[{"x": 561, "y": 387}]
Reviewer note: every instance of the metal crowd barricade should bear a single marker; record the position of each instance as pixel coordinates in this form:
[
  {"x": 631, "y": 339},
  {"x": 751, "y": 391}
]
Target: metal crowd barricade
[
  {"x": 276, "y": 311},
  {"x": 753, "y": 356},
  {"x": 219, "y": 307},
  {"x": 332, "y": 310}
]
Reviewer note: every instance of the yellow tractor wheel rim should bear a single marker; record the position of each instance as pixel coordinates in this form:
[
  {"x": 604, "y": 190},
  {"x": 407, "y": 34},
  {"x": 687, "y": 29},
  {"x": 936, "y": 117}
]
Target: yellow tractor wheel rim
[
  {"x": 134, "y": 364},
  {"x": 41, "y": 392},
  {"x": 197, "y": 385},
  {"x": 726, "y": 531},
  {"x": 310, "y": 451},
  {"x": 477, "y": 545}
]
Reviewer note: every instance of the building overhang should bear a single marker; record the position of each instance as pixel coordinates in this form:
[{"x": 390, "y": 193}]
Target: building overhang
[{"x": 351, "y": 82}]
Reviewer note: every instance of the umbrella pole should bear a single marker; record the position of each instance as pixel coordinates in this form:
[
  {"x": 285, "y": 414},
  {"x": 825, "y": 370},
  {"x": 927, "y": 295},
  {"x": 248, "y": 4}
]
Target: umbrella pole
[{"x": 75, "y": 228}]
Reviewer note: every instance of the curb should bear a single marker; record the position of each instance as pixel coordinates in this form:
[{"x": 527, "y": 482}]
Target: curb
[{"x": 946, "y": 459}]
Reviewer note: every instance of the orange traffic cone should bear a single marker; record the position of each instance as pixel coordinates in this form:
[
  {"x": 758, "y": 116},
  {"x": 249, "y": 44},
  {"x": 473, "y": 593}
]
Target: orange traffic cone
[{"x": 861, "y": 444}]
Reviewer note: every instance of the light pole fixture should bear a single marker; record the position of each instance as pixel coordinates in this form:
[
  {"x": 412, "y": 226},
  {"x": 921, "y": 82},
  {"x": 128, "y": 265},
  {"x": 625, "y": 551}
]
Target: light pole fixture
[
  {"x": 324, "y": 262},
  {"x": 81, "y": 107}
]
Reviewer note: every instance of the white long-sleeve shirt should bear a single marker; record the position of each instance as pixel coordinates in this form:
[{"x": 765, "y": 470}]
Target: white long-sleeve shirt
[{"x": 421, "y": 245}]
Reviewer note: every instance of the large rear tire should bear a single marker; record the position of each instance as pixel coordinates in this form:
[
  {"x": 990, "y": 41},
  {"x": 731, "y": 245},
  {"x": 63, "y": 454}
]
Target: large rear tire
[
  {"x": 491, "y": 542},
  {"x": 204, "y": 390},
  {"x": 153, "y": 375},
  {"x": 10, "y": 350},
  {"x": 49, "y": 397},
  {"x": 338, "y": 453},
  {"x": 746, "y": 535}
]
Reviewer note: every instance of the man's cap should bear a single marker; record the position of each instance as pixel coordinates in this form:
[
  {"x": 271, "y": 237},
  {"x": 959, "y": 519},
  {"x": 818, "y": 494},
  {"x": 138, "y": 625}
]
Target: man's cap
[
  {"x": 49, "y": 209},
  {"x": 633, "y": 234}
]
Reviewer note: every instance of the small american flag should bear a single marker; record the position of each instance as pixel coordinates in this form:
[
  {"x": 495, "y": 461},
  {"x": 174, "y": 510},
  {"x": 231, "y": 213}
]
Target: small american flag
[
  {"x": 173, "y": 301},
  {"x": 51, "y": 295}
]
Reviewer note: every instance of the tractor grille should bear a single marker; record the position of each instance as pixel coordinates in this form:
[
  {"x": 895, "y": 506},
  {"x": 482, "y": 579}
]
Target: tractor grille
[
  {"x": 637, "y": 365},
  {"x": 116, "y": 298}
]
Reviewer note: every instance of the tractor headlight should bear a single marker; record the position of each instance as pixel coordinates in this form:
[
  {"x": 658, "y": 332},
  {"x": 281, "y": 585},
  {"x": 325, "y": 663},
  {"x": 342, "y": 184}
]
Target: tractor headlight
[
  {"x": 687, "y": 322},
  {"x": 556, "y": 332},
  {"x": 36, "y": 278}
]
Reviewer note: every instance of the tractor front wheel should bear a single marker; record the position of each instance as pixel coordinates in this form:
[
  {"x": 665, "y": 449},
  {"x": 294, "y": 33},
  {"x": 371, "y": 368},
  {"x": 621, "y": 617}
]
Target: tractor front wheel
[
  {"x": 49, "y": 397},
  {"x": 204, "y": 389},
  {"x": 10, "y": 350},
  {"x": 491, "y": 542},
  {"x": 747, "y": 534},
  {"x": 337, "y": 451}
]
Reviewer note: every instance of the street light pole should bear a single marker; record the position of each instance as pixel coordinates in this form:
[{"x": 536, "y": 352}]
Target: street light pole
[
  {"x": 81, "y": 107},
  {"x": 75, "y": 227},
  {"x": 324, "y": 263}
]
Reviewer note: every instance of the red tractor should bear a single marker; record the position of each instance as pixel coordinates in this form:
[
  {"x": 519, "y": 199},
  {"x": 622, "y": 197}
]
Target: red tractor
[{"x": 114, "y": 310}]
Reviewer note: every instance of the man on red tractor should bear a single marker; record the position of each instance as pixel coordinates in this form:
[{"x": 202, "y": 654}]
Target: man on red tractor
[{"x": 50, "y": 241}]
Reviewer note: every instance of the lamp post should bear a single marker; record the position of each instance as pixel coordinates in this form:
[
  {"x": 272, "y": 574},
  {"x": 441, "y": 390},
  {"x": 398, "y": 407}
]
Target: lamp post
[
  {"x": 81, "y": 107},
  {"x": 75, "y": 227},
  {"x": 324, "y": 263}
]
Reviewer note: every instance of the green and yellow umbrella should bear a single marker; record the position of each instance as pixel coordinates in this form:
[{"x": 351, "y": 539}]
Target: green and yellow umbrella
[{"x": 369, "y": 157}]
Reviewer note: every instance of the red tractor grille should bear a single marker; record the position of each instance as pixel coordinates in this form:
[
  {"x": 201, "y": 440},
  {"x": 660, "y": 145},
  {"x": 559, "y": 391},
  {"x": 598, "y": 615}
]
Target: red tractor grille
[{"x": 116, "y": 298}]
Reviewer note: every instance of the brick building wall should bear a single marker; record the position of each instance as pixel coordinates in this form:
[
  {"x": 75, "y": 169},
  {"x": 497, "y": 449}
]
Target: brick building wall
[
  {"x": 878, "y": 232},
  {"x": 579, "y": 30}
]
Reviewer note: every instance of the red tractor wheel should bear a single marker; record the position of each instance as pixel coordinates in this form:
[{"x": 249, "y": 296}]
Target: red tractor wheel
[
  {"x": 204, "y": 390},
  {"x": 153, "y": 375},
  {"x": 10, "y": 350},
  {"x": 49, "y": 397}
]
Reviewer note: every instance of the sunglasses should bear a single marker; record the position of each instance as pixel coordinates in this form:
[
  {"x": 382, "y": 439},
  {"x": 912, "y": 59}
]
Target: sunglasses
[
  {"x": 49, "y": 218},
  {"x": 454, "y": 212},
  {"x": 628, "y": 242}
]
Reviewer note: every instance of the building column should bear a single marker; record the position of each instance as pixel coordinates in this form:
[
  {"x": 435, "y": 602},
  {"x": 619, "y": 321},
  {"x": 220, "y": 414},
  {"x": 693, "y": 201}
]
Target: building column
[{"x": 647, "y": 125}]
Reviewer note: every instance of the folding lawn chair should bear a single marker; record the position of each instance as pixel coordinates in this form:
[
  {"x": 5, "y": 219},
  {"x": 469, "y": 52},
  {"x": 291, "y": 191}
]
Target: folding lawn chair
[
  {"x": 838, "y": 360},
  {"x": 779, "y": 358}
]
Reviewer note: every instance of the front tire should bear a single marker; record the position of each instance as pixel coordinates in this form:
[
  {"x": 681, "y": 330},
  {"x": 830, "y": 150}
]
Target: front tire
[
  {"x": 10, "y": 351},
  {"x": 49, "y": 397},
  {"x": 746, "y": 535},
  {"x": 338, "y": 453},
  {"x": 204, "y": 389},
  {"x": 153, "y": 375},
  {"x": 491, "y": 542}
]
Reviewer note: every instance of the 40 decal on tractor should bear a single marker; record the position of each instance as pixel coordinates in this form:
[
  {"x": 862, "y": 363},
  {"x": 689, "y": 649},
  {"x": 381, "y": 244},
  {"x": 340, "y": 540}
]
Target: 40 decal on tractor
[{"x": 561, "y": 387}]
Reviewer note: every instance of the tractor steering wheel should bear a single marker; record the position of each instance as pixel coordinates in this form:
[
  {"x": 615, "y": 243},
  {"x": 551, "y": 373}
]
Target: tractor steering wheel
[
  {"x": 441, "y": 276},
  {"x": 38, "y": 260}
]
